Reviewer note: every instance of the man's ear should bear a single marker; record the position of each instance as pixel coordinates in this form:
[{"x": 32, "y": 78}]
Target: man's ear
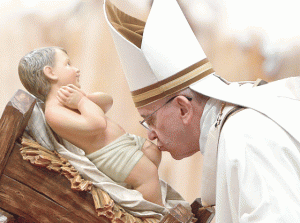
[
  {"x": 186, "y": 109},
  {"x": 48, "y": 71}
]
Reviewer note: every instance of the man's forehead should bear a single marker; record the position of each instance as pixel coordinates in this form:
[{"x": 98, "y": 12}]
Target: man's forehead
[{"x": 148, "y": 109}]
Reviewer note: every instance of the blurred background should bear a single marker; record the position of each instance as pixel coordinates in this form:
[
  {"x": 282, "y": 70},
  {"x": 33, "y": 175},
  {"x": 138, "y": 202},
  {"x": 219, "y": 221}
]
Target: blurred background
[{"x": 244, "y": 40}]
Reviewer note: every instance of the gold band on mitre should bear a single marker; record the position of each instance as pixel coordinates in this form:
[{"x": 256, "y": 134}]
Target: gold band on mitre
[{"x": 172, "y": 84}]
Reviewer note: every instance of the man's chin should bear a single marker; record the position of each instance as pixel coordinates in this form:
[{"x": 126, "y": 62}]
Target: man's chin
[
  {"x": 173, "y": 153},
  {"x": 177, "y": 156},
  {"x": 182, "y": 156}
]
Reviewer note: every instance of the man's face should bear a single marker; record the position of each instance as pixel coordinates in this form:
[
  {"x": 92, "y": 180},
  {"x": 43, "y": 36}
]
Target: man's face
[{"x": 170, "y": 130}]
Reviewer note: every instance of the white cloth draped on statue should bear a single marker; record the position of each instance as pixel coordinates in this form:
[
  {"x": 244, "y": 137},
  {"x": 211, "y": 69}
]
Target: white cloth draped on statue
[{"x": 131, "y": 200}]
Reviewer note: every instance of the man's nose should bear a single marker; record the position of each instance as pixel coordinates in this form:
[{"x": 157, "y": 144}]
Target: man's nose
[{"x": 152, "y": 134}]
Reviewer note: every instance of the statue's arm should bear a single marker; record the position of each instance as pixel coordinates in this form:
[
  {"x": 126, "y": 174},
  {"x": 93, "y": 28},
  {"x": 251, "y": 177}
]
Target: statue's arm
[
  {"x": 103, "y": 100},
  {"x": 75, "y": 115}
]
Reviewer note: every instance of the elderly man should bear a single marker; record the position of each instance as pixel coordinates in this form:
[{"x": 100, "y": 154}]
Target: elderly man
[{"x": 248, "y": 134}]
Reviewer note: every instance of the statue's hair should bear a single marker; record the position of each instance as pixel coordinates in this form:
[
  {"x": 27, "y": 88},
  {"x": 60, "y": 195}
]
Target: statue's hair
[{"x": 31, "y": 70}]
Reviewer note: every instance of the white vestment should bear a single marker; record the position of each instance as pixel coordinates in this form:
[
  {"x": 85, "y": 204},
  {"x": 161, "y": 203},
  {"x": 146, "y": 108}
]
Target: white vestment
[
  {"x": 255, "y": 176},
  {"x": 258, "y": 171}
]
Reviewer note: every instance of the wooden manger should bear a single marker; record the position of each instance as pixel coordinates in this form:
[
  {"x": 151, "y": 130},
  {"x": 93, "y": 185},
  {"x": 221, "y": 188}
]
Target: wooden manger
[{"x": 39, "y": 190}]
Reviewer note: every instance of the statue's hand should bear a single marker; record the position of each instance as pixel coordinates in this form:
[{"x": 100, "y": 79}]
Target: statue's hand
[
  {"x": 70, "y": 96},
  {"x": 77, "y": 88}
]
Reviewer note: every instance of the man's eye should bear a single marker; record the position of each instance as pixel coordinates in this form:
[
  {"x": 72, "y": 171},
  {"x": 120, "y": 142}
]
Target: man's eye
[{"x": 149, "y": 122}]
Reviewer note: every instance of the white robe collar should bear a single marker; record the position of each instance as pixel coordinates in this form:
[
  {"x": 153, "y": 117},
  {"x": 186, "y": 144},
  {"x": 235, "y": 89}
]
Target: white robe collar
[
  {"x": 214, "y": 119},
  {"x": 209, "y": 117}
]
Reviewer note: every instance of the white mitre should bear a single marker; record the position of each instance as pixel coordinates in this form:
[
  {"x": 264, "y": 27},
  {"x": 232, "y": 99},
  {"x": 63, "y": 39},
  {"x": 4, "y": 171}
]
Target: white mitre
[
  {"x": 159, "y": 57},
  {"x": 162, "y": 56}
]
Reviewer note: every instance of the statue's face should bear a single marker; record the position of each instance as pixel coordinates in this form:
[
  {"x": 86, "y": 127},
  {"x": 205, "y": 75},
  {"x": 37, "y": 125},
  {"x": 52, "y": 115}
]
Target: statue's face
[{"x": 64, "y": 70}]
